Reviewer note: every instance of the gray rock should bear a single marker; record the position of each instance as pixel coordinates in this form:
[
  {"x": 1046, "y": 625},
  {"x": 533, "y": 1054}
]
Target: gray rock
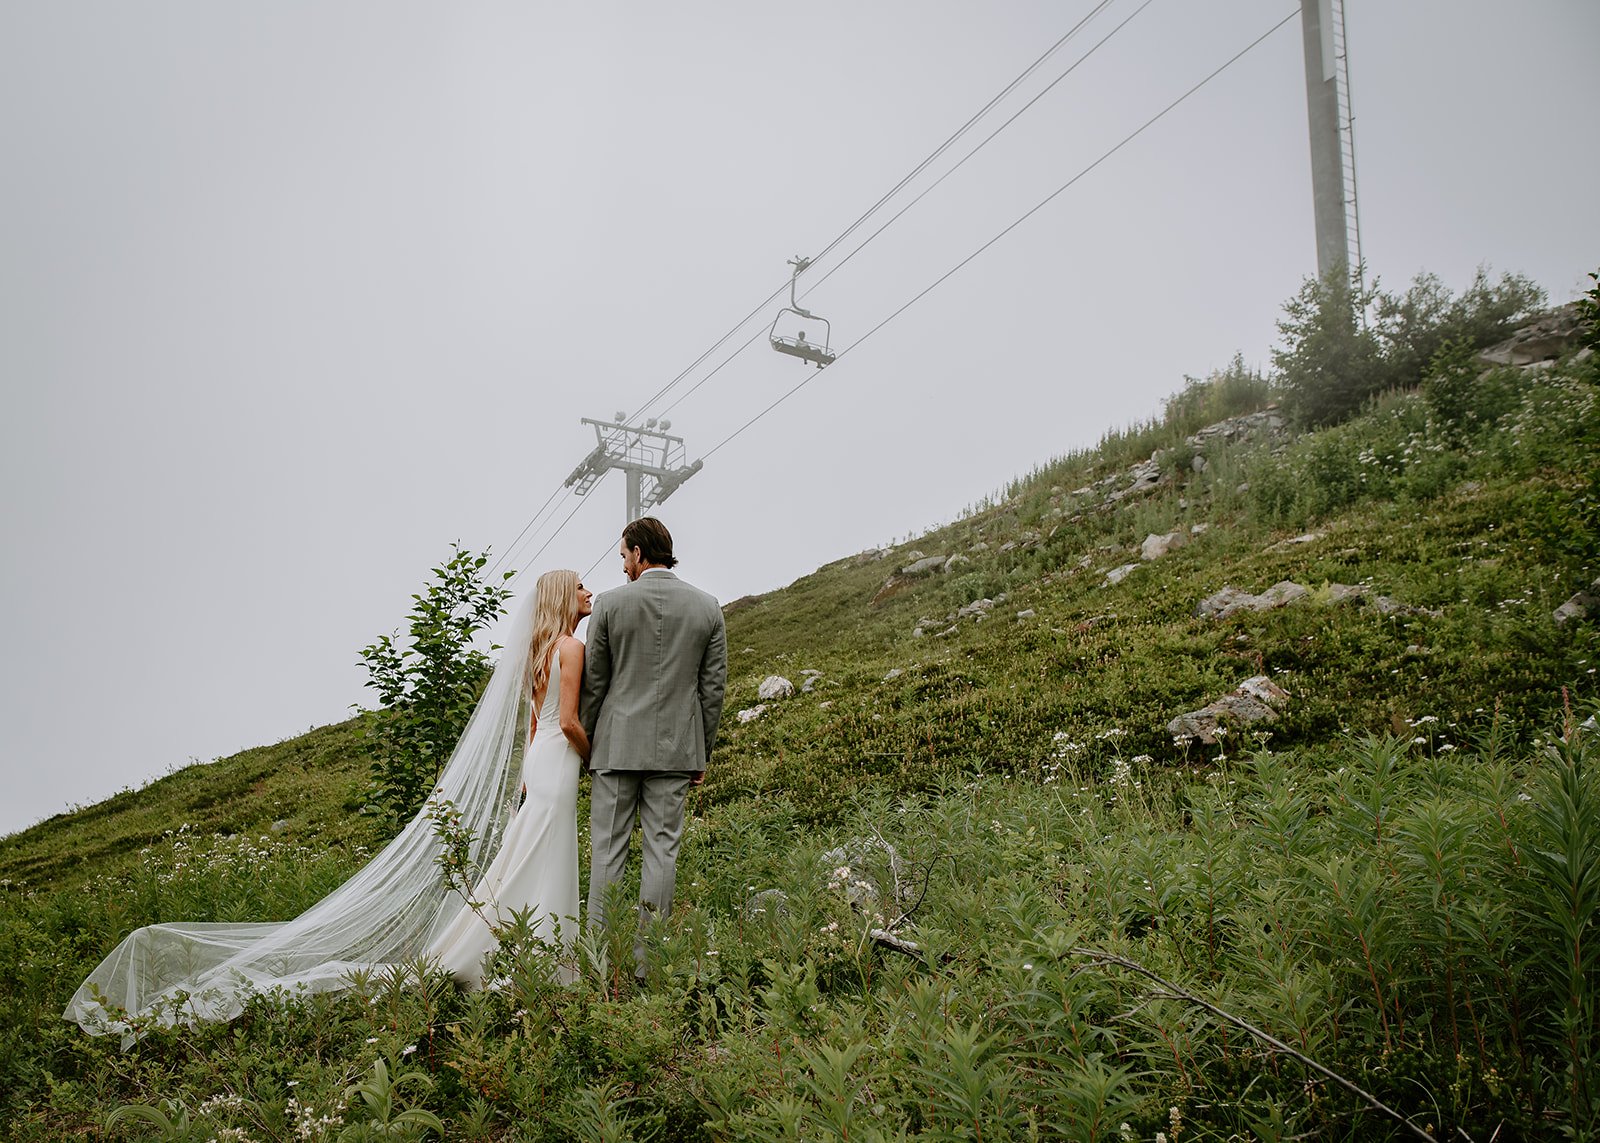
[
  {"x": 955, "y": 561},
  {"x": 774, "y": 687},
  {"x": 1117, "y": 575},
  {"x": 1542, "y": 340},
  {"x": 1199, "y": 463},
  {"x": 1296, "y": 541},
  {"x": 1583, "y": 605},
  {"x": 752, "y": 713},
  {"x": 810, "y": 684},
  {"x": 1154, "y": 546},
  {"x": 280, "y": 825},
  {"x": 1255, "y": 700},
  {"x": 1028, "y": 613},
  {"x": 1232, "y": 600},
  {"x": 1199, "y": 529},
  {"x": 774, "y": 901},
  {"x": 977, "y": 609},
  {"x": 869, "y": 872},
  {"x": 894, "y": 673},
  {"x": 1385, "y": 605},
  {"x": 1346, "y": 593},
  {"x": 924, "y": 565}
]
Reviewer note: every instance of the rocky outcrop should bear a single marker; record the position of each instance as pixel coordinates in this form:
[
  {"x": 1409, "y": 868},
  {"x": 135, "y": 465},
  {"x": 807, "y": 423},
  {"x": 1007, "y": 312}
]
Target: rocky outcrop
[
  {"x": 1542, "y": 340},
  {"x": 1583, "y": 605},
  {"x": 1156, "y": 546},
  {"x": 1257, "y": 699},
  {"x": 1232, "y": 600}
]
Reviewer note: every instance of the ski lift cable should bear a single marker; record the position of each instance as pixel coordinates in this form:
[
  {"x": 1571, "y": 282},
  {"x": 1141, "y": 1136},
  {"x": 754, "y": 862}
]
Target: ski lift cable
[
  {"x": 1146, "y": 125},
  {"x": 922, "y": 194},
  {"x": 965, "y": 127},
  {"x": 505, "y": 556},
  {"x": 920, "y": 167},
  {"x": 986, "y": 141},
  {"x": 875, "y": 207},
  {"x": 581, "y": 501}
]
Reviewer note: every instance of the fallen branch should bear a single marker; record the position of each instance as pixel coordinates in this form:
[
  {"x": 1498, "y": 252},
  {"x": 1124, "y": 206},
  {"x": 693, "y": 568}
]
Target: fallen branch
[{"x": 1183, "y": 994}]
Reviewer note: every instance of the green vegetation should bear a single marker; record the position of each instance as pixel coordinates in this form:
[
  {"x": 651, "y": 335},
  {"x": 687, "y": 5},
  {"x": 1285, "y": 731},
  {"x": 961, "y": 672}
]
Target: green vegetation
[
  {"x": 428, "y": 686},
  {"x": 1335, "y": 359},
  {"x": 967, "y": 885}
]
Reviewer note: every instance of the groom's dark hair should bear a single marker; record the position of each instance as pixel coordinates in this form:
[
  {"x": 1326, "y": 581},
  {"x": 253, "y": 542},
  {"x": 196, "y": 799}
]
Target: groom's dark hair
[{"x": 652, "y": 539}]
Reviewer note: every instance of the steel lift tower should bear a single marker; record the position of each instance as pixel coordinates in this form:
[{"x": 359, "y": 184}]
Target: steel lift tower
[
  {"x": 651, "y": 459},
  {"x": 1333, "y": 155}
]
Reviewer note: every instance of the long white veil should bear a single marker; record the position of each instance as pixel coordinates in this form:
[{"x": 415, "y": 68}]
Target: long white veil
[{"x": 385, "y": 914}]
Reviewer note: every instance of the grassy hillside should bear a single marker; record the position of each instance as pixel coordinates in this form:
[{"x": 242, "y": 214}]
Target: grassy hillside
[{"x": 985, "y": 748}]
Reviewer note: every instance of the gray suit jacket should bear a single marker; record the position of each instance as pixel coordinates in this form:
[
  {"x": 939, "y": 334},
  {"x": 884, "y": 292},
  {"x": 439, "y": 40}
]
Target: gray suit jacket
[{"x": 654, "y": 675}]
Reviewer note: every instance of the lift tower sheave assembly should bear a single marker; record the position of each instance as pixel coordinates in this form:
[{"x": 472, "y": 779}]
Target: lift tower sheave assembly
[{"x": 650, "y": 458}]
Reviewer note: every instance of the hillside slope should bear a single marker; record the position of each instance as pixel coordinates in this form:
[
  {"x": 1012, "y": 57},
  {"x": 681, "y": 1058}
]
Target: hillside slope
[
  {"x": 1477, "y": 541},
  {"x": 920, "y": 895}
]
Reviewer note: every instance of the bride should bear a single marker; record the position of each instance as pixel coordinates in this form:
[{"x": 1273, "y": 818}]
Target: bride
[
  {"x": 537, "y": 865},
  {"x": 396, "y": 908}
]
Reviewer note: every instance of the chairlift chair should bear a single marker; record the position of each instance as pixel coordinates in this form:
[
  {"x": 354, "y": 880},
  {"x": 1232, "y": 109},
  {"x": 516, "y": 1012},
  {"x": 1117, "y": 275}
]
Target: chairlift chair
[{"x": 818, "y": 353}]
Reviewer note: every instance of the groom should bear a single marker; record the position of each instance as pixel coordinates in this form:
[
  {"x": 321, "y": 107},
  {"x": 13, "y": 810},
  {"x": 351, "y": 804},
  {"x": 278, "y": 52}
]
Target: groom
[{"x": 655, "y": 671}]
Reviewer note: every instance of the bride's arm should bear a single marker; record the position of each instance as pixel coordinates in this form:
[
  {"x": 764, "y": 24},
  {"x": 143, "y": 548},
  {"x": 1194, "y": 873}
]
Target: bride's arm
[{"x": 571, "y": 687}]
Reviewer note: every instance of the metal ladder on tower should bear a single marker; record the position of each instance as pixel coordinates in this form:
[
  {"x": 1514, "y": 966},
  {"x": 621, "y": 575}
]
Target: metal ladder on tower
[{"x": 1347, "y": 146}]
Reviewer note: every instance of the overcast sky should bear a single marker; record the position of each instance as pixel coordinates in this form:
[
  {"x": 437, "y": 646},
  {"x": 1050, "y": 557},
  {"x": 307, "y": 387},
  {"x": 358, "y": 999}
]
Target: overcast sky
[{"x": 293, "y": 295}]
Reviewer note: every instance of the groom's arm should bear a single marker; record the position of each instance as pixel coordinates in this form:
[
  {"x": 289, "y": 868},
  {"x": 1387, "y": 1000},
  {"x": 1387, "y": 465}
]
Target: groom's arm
[
  {"x": 713, "y": 679},
  {"x": 596, "y": 670}
]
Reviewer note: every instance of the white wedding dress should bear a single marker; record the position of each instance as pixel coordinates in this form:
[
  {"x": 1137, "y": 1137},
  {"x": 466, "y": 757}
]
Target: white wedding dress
[
  {"x": 394, "y": 908},
  {"x": 537, "y": 865}
]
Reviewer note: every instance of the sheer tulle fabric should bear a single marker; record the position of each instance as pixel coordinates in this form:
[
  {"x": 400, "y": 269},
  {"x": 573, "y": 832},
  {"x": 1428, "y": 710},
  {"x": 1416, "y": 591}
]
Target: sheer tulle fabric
[
  {"x": 537, "y": 866},
  {"x": 387, "y": 913}
]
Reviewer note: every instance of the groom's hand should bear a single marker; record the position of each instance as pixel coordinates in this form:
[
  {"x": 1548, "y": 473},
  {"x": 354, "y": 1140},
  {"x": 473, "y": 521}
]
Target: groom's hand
[{"x": 697, "y": 778}]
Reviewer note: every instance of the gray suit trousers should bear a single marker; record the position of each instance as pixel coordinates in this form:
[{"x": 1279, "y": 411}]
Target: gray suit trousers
[{"x": 616, "y": 798}]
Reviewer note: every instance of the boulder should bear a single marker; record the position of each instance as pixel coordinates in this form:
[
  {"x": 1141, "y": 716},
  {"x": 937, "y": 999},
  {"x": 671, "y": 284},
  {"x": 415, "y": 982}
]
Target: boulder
[
  {"x": 1232, "y": 600},
  {"x": 924, "y": 566},
  {"x": 955, "y": 561},
  {"x": 977, "y": 609},
  {"x": 774, "y": 687},
  {"x": 1542, "y": 340},
  {"x": 1257, "y": 699},
  {"x": 869, "y": 872},
  {"x": 752, "y": 713},
  {"x": 1154, "y": 546},
  {"x": 1346, "y": 593},
  {"x": 1026, "y": 614},
  {"x": 1117, "y": 575},
  {"x": 1583, "y": 605}
]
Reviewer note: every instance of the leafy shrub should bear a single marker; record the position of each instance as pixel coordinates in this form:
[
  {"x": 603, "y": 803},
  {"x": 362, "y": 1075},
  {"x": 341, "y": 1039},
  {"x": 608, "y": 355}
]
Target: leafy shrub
[
  {"x": 1333, "y": 360},
  {"x": 1414, "y": 326},
  {"x": 1589, "y": 313},
  {"x": 1331, "y": 363},
  {"x": 429, "y": 686}
]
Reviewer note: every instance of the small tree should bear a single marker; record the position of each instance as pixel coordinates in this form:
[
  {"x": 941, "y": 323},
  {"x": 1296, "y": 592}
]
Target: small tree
[
  {"x": 1413, "y": 327},
  {"x": 1331, "y": 363},
  {"x": 429, "y": 686}
]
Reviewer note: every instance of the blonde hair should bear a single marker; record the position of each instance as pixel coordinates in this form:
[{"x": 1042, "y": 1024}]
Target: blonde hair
[{"x": 555, "y": 615}]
